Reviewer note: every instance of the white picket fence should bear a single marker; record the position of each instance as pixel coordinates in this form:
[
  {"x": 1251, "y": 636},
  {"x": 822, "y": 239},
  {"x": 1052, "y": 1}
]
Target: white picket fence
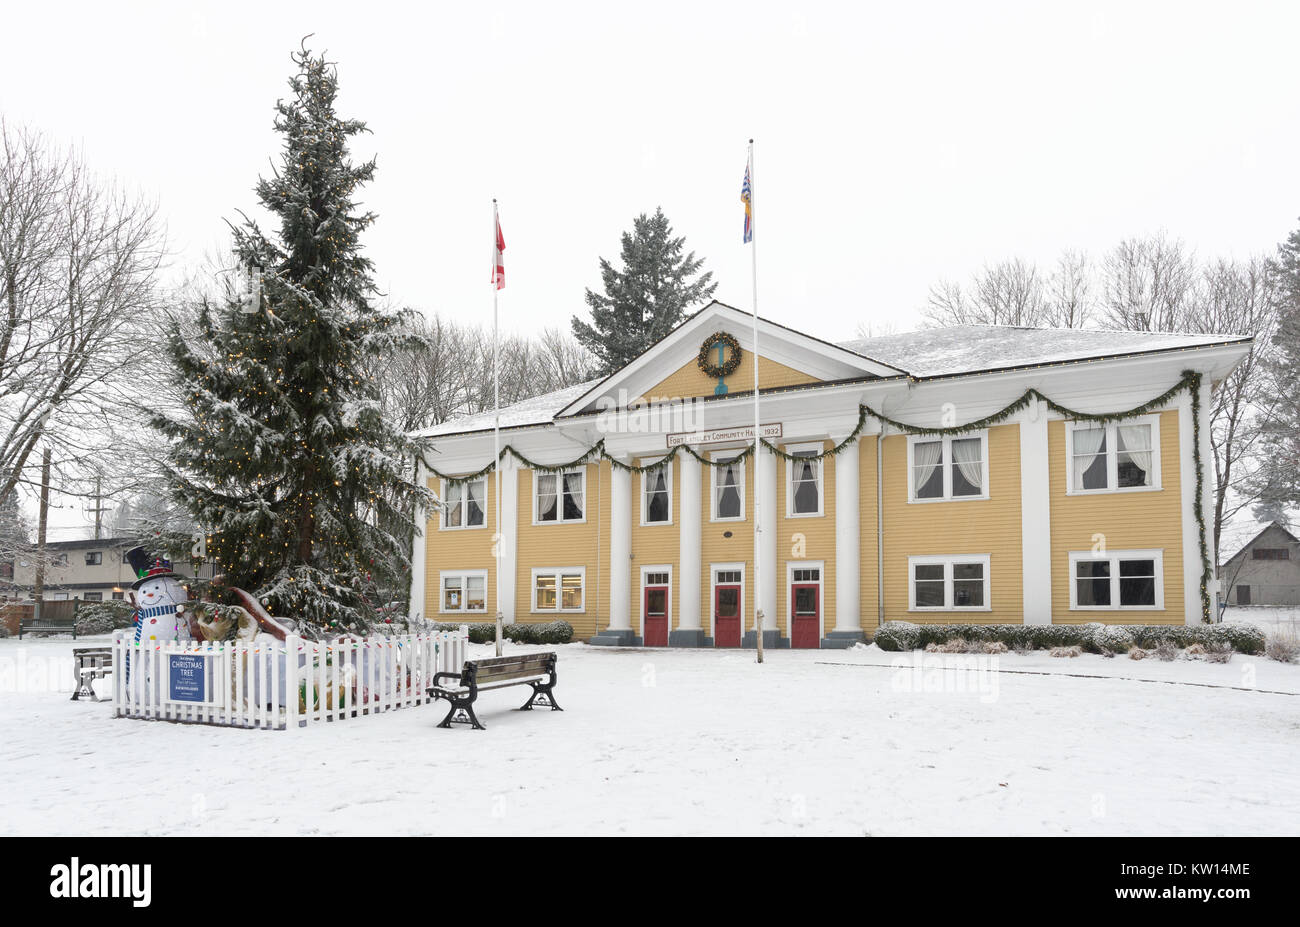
[{"x": 278, "y": 685}]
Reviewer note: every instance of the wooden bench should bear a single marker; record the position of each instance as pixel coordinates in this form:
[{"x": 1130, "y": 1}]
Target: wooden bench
[
  {"x": 92, "y": 663},
  {"x": 528, "y": 669},
  {"x": 50, "y": 624}
]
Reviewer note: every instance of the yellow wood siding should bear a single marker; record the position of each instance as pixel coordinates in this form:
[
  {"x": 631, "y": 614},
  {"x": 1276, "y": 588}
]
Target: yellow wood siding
[
  {"x": 584, "y": 544},
  {"x": 1127, "y": 520},
  {"x": 869, "y": 610},
  {"x": 716, "y": 548},
  {"x": 814, "y": 534},
  {"x": 691, "y": 381},
  {"x": 455, "y": 550},
  {"x": 972, "y": 526},
  {"x": 654, "y": 545}
]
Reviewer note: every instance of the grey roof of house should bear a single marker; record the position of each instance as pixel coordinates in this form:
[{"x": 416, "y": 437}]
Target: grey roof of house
[{"x": 934, "y": 352}]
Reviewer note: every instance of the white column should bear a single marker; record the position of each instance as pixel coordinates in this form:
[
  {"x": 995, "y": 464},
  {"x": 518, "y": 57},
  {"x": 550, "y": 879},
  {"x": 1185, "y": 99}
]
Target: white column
[
  {"x": 507, "y": 574},
  {"x": 848, "y": 542},
  {"x": 1207, "y": 505},
  {"x": 766, "y": 524},
  {"x": 689, "y": 559},
  {"x": 418, "y": 549},
  {"x": 1187, "y": 492},
  {"x": 620, "y": 549},
  {"x": 1035, "y": 516}
]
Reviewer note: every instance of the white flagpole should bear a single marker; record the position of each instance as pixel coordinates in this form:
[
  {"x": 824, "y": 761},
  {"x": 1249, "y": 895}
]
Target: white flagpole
[
  {"x": 758, "y": 445},
  {"x": 496, "y": 429}
]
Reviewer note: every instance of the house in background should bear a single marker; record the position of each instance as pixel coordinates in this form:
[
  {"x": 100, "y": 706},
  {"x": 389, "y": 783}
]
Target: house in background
[
  {"x": 92, "y": 570},
  {"x": 1266, "y": 571}
]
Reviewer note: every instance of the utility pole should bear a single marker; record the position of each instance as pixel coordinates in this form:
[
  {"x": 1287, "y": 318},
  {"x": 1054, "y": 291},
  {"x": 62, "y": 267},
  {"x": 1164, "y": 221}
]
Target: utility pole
[
  {"x": 38, "y": 593},
  {"x": 99, "y": 506}
]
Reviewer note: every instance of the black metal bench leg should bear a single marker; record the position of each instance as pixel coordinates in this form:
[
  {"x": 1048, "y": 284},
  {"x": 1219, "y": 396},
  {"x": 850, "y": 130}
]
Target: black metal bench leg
[
  {"x": 542, "y": 697},
  {"x": 465, "y": 707}
]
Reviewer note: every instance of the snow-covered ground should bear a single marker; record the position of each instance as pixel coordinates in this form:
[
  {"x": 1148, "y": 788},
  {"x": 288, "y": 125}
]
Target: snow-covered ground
[{"x": 695, "y": 742}]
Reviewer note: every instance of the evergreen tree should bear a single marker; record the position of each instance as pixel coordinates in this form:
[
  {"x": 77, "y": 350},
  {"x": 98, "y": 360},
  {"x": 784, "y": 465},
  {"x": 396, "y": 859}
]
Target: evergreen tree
[
  {"x": 283, "y": 452},
  {"x": 647, "y": 298},
  {"x": 1278, "y": 478}
]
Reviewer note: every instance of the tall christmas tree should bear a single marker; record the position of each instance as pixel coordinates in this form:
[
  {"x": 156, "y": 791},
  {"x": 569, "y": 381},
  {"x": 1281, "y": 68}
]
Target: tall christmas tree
[
  {"x": 647, "y": 298},
  {"x": 283, "y": 457}
]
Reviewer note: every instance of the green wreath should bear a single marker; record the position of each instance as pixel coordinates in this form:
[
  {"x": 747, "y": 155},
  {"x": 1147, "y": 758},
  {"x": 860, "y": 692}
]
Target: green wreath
[{"x": 727, "y": 367}]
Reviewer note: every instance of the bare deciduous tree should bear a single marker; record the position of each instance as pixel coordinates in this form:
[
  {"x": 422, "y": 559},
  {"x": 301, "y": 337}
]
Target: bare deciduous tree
[
  {"x": 1146, "y": 284},
  {"x": 78, "y": 262}
]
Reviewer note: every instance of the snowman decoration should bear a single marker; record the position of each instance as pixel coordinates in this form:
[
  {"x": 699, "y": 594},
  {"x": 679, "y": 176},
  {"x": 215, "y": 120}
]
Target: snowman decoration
[{"x": 159, "y": 600}]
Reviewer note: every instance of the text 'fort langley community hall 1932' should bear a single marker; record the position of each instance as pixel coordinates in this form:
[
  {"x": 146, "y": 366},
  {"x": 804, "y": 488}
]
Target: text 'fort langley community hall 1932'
[{"x": 981, "y": 474}]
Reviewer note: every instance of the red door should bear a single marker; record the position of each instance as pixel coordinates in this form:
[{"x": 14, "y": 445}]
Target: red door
[
  {"x": 806, "y": 615},
  {"x": 656, "y": 616},
  {"x": 726, "y": 615}
]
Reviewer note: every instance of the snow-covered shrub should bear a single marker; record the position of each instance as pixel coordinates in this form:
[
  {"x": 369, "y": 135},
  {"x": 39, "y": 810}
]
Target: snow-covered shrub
[
  {"x": 1110, "y": 638},
  {"x": 1137, "y": 653},
  {"x": 899, "y": 635},
  {"x": 1218, "y": 653},
  {"x": 1283, "y": 646},
  {"x": 1073, "y": 651},
  {"x": 104, "y": 617},
  {"x": 993, "y": 647},
  {"x": 1166, "y": 651},
  {"x": 553, "y": 632},
  {"x": 1243, "y": 638}
]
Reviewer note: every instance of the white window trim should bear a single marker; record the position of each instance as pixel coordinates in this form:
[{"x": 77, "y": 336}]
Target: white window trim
[
  {"x": 645, "y": 500},
  {"x": 442, "y": 516},
  {"x": 913, "y": 440},
  {"x": 661, "y": 568},
  {"x": 714, "y": 570},
  {"x": 463, "y": 575},
  {"x": 557, "y": 572},
  {"x": 1115, "y": 556},
  {"x": 721, "y": 456},
  {"x": 1112, "y": 456},
  {"x": 559, "y": 500},
  {"x": 820, "y": 567},
  {"x": 947, "y": 560},
  {"x": 817, "y": 446}
]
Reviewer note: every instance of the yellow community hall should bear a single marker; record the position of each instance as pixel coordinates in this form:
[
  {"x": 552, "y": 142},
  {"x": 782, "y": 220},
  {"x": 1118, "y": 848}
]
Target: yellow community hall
[{"x": 980, "y": 474}]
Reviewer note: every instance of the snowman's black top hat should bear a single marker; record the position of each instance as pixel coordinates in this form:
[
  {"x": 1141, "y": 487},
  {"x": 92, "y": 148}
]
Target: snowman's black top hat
[{"x": 147, "y": 568}]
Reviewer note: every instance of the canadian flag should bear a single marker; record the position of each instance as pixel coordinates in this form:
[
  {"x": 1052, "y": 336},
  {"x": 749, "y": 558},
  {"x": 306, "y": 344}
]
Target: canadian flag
[{"x": 498, "y": 261}]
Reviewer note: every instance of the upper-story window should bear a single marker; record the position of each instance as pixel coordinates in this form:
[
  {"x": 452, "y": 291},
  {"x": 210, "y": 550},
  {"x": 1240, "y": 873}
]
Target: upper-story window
[
  {"x": 94, "y": 557},
  {"x": 728, "y": 478},
  {"x": 948, "y": 467},
  {"x": 465, "y": 504},
  {"x": 657, "y": 495},
  {"x": 560, "y": 496},
  {"x": 804, "y": 481},
  {"x": 1114, "y": 456},
  {"x": 1271, "y": 553}
]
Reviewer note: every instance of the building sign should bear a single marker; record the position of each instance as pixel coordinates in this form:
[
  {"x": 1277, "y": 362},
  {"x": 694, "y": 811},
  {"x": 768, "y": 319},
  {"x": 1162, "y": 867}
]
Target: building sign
[
  {"x": 722, "y": 435},
  {"x": 187, "y": 675}
]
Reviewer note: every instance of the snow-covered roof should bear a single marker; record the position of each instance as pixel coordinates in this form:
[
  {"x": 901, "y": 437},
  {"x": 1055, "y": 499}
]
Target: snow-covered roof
[
  {"x": 957, "y": 349},
  {"x": 538, "y": 410},
  {"x": 934, "y": 352}
]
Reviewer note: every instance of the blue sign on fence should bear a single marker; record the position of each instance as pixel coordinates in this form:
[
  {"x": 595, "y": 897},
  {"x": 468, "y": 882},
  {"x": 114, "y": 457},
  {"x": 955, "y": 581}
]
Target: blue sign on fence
[{"x": 187, "y": 673}]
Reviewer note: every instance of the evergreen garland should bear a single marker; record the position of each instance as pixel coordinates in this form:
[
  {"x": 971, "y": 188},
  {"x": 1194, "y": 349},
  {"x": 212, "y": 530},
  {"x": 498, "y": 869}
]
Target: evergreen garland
[
  {"x": 728, "y": 366},
  {"x": 1190, "y": 381}
]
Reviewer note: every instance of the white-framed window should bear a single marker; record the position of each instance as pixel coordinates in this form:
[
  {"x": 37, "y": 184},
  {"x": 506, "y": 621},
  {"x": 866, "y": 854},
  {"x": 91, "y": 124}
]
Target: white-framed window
[
  {"x": 957, "y": 582},
  {"x": 464, "y": 504},
  {"x": 727, "y": 482},
  {"x": 559, "y": 497},
  {"x": 1117, "y": 579},
  {"x": 94, "y": 557},
  {"x": 803, "y": 480},
  {"x": 463, "y": 591},
  {"x": 947, "y": 467},
  {"x": 559, "y": 589},
  {"x": 657, "y": 495},
  {"x": 1113, "y": 456}
]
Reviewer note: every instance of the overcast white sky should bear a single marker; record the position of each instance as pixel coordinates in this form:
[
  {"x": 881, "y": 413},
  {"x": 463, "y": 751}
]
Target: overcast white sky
[{"x": 896, "y": 143}]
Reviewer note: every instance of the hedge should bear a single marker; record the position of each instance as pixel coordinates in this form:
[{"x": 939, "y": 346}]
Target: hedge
[
  {"x": 104, "y": 617},
  {"x": 553, "y": 632},
  {"x": 903, "y": 635}
]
